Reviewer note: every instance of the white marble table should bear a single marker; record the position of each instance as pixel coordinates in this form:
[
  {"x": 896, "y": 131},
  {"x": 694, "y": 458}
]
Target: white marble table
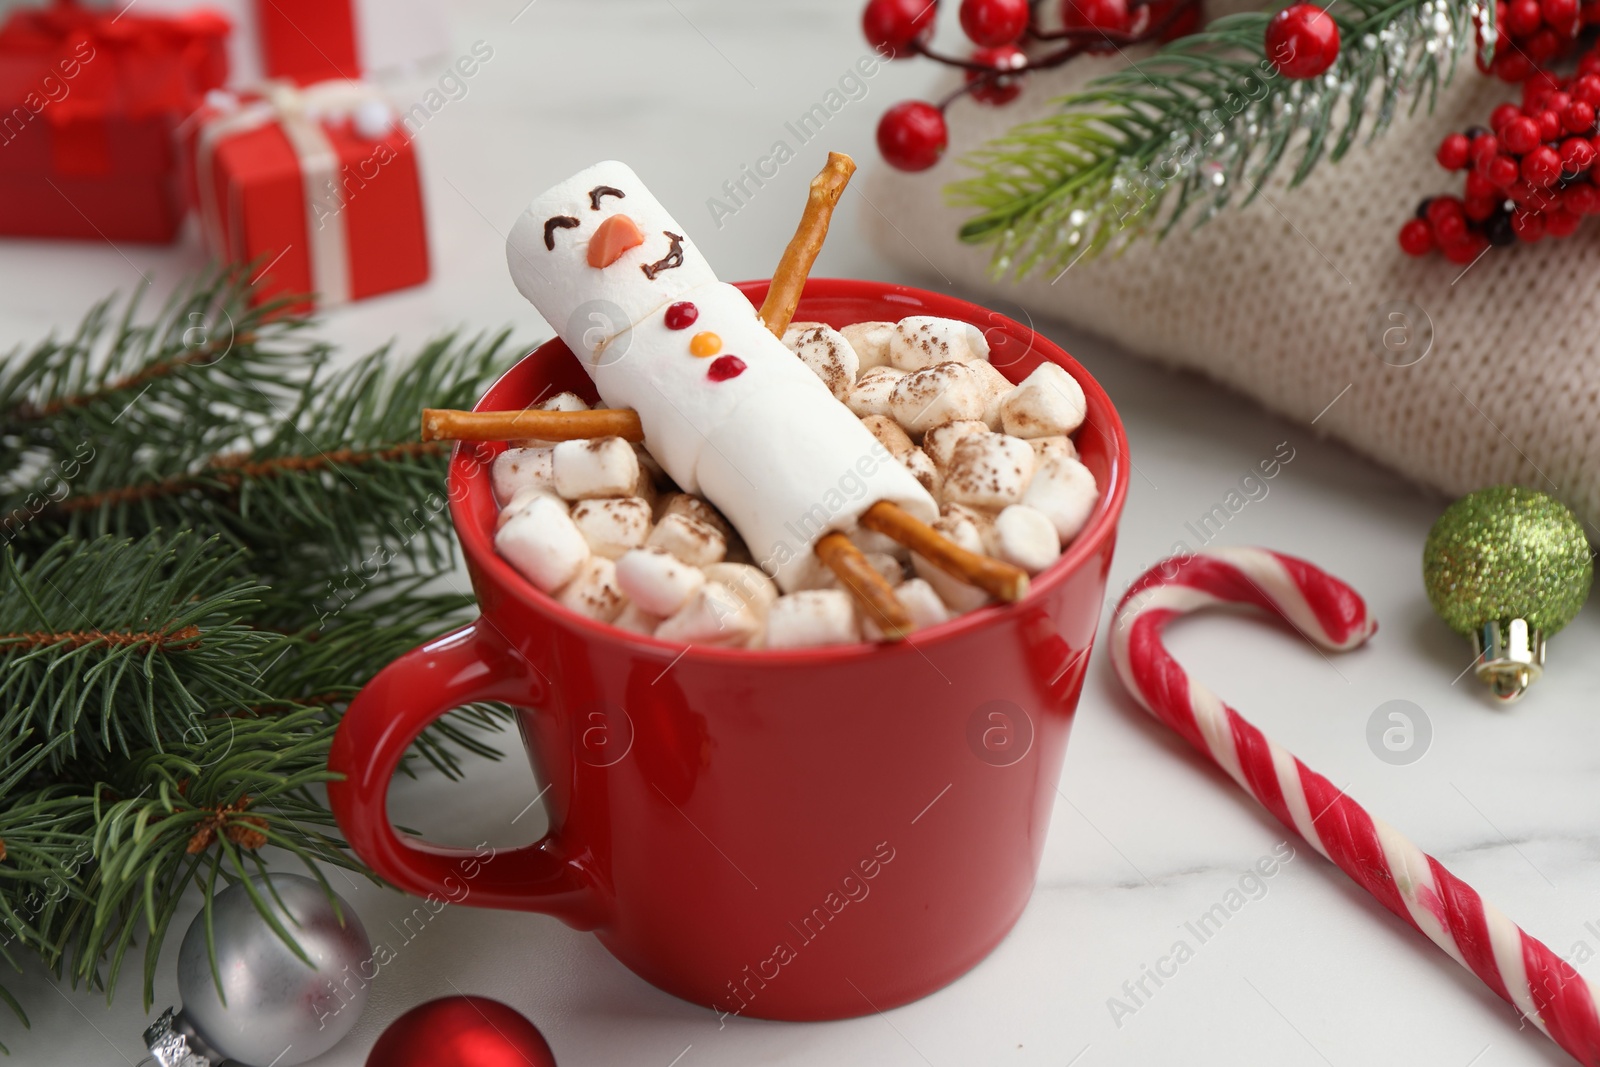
[{"x": 1144, "y": 837}]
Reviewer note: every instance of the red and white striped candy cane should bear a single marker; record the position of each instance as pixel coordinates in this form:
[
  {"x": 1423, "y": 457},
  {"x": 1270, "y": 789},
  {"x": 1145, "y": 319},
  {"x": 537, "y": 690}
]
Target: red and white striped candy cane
[{"x": 1408, "y": 882}]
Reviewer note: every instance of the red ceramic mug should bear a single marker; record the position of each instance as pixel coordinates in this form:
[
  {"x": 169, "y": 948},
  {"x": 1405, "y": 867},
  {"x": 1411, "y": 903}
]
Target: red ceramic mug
[{"x": 794, "y": 834}]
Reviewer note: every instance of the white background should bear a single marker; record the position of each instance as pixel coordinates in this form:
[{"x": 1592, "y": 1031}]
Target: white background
[{"x": 1144, "y": 836}]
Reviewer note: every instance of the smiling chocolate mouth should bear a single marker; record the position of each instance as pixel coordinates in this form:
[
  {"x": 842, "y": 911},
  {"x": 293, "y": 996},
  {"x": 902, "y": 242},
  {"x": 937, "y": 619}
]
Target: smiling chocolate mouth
[{"x": 673, "y": 258}]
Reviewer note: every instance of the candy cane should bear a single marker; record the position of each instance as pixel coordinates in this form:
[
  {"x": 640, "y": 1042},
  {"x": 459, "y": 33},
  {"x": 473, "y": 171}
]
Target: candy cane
[{"x": 1410, "y": 883}]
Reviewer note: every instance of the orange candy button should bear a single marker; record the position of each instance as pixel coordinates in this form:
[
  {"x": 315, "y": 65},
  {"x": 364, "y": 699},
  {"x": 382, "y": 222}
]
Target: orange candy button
[{"x": 705, "y": 344}]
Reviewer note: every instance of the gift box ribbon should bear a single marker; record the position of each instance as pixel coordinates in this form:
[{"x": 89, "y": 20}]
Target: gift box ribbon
[{"x": 300, "y": 112}]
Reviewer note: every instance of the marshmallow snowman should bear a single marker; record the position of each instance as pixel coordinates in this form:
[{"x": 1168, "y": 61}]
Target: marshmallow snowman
[{"x": 728, "y": 411}]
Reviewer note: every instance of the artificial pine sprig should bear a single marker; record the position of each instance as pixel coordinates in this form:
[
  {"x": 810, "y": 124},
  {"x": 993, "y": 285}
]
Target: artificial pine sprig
[
  {"x": 1206, "y": 118},
  {"x": 210, "y": 543}
]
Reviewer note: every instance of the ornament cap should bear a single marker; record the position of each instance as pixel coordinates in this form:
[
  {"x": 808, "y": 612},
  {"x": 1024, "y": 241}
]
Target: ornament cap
[
  {"x": 173, "y": 1043},
  {"x": 1510, "y": 657}
]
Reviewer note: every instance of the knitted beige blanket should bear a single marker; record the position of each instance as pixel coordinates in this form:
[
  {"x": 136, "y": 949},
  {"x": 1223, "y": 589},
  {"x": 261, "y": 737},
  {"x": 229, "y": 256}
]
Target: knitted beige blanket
[{"x": 1458, "y": 378}]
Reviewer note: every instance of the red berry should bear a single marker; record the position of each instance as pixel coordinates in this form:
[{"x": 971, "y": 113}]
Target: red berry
[
  {"x": 1559, "y": 223},
  {"x": 1415, "y": 238},
  {"x": 1589, "y": 63},
  {"x": 1558, "y": 99},
  {"x": 1543, "y": 46},
  {"x": 1523, "y": 17},
  {"x": 1302, "y": 41},
  {"x": 892, "y": 27},
  {"x": 1589, "y": 13},
  {"x": 1452, "y": 153},
  {"x": 1502, "y": 115},
  {"x": 1185, "y": 22},
  {"x": 1107, "y": 16},
  {"x": 1559, "y": 12},
  {"x": 1502, "y": 171},
  {"x": 1577, "y": 156},
  {"x": 1511, "y": 66},
  {"x": 1479, "y": 208},
  {"x": 1479, "y": 187},
  {"x": 1549, "y": 125},
  {"x": 912, "y": 135},
  {"x": 997, "y": 88},
  {"x": 996, "y": 22},
  {"x": 1541, "y": 167},
  {"x": 1528, "y": 225},
  {"x": 1581, "y": 199},
  {"x": 1521, "y": 135},
  {"x": 1587, "y": 89},
  {"x": 1465, "y": 250},
  {"x": 1485, "y": 147},
  {"x": 1539, "y": 85},
  {"x": 1577, "y": 117},
  {"x": 1447, "y": 219}
]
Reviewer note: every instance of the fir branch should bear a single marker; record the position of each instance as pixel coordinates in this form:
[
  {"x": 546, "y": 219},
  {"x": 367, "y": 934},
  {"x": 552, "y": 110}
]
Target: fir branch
[
  {"x": 1204, "y": 119},
  {"x": 119, "y": 645}
]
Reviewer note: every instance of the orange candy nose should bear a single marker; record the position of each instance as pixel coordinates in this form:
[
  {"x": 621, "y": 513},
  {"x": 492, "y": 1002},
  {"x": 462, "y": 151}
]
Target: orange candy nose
[{"x": 611, "y": 238}]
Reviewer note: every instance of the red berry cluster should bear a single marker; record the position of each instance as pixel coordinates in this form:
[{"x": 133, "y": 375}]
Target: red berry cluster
[
  {"x": 1531, "y": 34},
  {"x": 1530, "y": 175},
  {"x": 912, "y": 135}
]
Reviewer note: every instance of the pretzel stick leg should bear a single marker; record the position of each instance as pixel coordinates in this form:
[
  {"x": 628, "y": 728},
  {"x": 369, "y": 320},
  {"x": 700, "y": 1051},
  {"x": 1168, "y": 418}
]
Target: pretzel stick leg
[
  {"x": 870, "y": 590},
  {"x": 444, "y": 425},
  {"x": 1000, "y": 580},
  {"x": 783, "y": 296}
]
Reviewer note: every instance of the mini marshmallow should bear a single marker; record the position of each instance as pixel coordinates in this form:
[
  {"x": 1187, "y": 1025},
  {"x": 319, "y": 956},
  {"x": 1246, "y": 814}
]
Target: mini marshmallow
[
  {"x": 873, "y": 391},
  {"x": 995, "y": 386},
  {"x": 1056, "y": 445},
  {"x": 516, "y": 469},
  {"x": 543, "y": 544},
  {"x": 749, "y": 583},
  {"x": 983, "y": 521},
  {"x": 604, "y": 466},
  {"x": 811, "y": 618},
  {"x": 956, "y": 594},
  {"x": 1047, "y": 403},
  {"x": 1025, "y": 537},
  {"x": 564, "y": 402},
  {"x": 636, "y": 621},
  {"x": 593, "y": 592},
  {"x": 870, "y": 341},
  {"x": 714, "y": 615},
  {"x": 519, "y": 503},
  {"x": 925, "y": 471},
  {"x": 988, "y": 470},
  {"x": 657, "y": 581},
  {"x": 828, "y": 354},
  {"x": 923, "y": 341},
  {"x": 941, "y": 441},
  {"x": 694, "y": 507},
  {"x": 889, "y": 435},
  {"x": 694, "y": 542},
  {"x": 1065, "y": 491},
  {"x": 942, "y": 393},
  {"x": 921, "y": 603},
  {"x": 613, "y": 525}
]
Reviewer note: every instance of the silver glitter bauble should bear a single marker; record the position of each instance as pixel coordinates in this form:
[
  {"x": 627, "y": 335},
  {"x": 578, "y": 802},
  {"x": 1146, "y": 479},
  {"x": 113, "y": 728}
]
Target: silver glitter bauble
[{"x": 279, "y": 1010}]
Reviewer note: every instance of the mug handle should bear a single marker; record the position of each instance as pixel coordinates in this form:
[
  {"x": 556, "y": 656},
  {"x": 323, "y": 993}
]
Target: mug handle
[{"x": 382, "y": 721}]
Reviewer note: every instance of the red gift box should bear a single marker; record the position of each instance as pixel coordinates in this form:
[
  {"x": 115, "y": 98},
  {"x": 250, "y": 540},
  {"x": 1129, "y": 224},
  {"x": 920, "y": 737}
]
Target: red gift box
[
  {"x": 89, "y": 103},
  {"x": 318, "y": 185}
]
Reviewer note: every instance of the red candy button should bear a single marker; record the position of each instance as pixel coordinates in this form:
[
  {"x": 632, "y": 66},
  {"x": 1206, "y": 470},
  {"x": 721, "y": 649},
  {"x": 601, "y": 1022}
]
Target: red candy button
[
  {"x": 724, "y": 367},
  {"x": 681, "y": 316}
]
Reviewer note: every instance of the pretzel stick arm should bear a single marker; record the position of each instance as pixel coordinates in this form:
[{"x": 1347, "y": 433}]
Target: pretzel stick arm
[
  {"x": 1000, "y": 580},
  {"x": 443, "y": 425},
  {"x": 783, "y": 296},
  {"x": 870, "y": 590}
]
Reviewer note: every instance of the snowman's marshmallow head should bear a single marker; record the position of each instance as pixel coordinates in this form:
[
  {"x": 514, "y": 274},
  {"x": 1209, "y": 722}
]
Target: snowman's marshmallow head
[{"x": 597, "y": 254}]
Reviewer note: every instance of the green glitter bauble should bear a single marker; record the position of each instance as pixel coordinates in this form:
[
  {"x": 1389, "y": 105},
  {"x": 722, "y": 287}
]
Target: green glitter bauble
[{"x": 1507, "y": 553}]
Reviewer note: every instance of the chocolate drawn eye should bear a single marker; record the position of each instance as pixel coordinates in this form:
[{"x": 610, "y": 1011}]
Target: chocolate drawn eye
[
  {"x": 551, "y": 225},
  {"x": 603, "y": 190}
]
